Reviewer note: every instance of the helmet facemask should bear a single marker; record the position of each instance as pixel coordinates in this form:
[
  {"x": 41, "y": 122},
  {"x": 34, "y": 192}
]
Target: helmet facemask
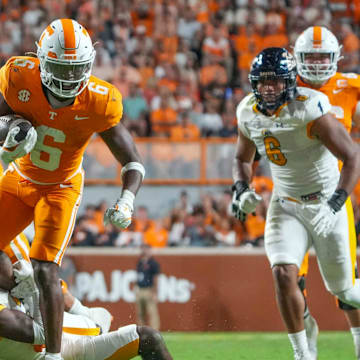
[
  {"x": 272, "y": 101},
  {"x": 317, "y": 53},
  {"x": 65, "y": 78},
  {"x": 316, "y": 71}
]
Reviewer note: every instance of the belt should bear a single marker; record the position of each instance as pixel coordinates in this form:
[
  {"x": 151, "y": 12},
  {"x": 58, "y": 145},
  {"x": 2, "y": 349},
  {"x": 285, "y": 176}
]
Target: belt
[{"x": 305, "y": 198}]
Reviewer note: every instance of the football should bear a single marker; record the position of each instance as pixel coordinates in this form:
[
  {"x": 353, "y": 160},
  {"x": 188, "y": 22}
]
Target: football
[{"x": 7, "y": 122}]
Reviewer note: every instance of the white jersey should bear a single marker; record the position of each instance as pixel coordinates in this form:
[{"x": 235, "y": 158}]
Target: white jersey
[
  {"x": 73, "y": 325},
  {"x": 80, "y": 339},
  {"x": 300, "y": 165}
]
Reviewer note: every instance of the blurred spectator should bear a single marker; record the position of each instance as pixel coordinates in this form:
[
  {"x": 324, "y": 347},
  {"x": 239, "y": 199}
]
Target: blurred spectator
[
  {"x": 129, "y": 238},
  {"x": 157, "y": 235},
  {"x": 198, "y": 233},
  {"x": 188, "y": 26},
  {"x": 177, "y": 228},
  {"x": 210, "y": 121},
  {"x": 82, "y": 236},
  {"x": 67, "y": 272},
  {"x": 351, "y": 47},
  {"x": 184, "y": 203},
  {"x": 135, "y": 111},
  {"x": 212, "y": 71},
  {"x": 163, "y": 119},
  {"x": 147, "y": 269},
  {"x": 255, "y": 227},
  {"x": 140, "y": 42},
  {"x": 141, "y": 221},
  {"x": 229, "y": 127},
  {"x": 185, "y": 130},
  {"x": 224, "y": 235}
]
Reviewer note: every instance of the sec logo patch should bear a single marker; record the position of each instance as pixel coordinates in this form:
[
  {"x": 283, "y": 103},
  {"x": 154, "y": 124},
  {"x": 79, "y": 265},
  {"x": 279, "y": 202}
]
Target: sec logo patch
[{"x": 24, "y": 95}]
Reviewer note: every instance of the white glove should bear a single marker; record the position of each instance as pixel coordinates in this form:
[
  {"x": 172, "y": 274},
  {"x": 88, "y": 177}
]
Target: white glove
[
  {"x": 24, "y": 277},
  {"x": 21, "y": 148},
  {"x": 324, "y": 221},
  {"x": 120, "y": 214},
  {"x": 245, "y": 204},
  {"x": 248, "y": 201}
]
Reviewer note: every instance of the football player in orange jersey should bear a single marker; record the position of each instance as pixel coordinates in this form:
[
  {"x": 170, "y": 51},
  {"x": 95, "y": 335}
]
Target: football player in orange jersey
[
  {"x": 66, "y": 105},
  {"x": 317, "y": 52}
]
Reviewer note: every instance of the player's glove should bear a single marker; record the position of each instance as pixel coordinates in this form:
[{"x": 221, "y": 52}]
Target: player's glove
[
  {"x": 244, "y": 200},
  {"x": 120, "y": 214},
  {"x": 12, "y": 149},
  {"x": 325, "y": 220},
  {"x": 24, "y": 277}
]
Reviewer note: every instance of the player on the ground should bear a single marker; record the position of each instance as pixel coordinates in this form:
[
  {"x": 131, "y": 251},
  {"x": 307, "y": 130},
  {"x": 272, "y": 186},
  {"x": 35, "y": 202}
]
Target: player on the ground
[
  {"x": 66, "y": 105},
  {"x": 317, "y": 53},
  {"x": 293, "y": 129},
  {"x": 82, "y": 337}
]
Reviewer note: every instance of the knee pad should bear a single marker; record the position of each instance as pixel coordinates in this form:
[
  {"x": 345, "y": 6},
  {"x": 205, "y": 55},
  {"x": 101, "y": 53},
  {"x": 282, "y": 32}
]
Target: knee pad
[
  {"x": 302, "y": 284},
  {"x": 344, "y": 306},
  {"x": 350, "y": 297}
]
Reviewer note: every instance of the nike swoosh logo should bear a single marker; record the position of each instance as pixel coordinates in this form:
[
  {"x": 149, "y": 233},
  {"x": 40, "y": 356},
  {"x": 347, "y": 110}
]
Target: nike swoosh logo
[
  {"x": 62, "y": 186},
  {"x": 335, "y": 91},
  {"x": 80, "y": 117}
]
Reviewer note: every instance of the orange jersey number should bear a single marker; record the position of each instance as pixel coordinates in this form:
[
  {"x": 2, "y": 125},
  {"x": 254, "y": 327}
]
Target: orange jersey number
[{"x": 273, "y": 151}]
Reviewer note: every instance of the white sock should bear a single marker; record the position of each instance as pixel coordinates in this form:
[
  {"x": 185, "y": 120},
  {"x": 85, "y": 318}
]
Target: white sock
[
  {"x": 299, "y": 342},
  {"x": 79, "y": 309},
  {"x": 53, "y": 356},
  {"x": 355, "y": 331}
]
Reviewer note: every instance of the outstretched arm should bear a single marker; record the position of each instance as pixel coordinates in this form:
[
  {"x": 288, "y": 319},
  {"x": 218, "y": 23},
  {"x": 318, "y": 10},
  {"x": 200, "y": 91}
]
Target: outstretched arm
[
  {"x": 335, "y": 137},
  {"x": 121, "y": 144}
]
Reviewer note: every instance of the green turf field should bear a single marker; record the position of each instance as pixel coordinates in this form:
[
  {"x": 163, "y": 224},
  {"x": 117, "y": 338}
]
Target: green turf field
[{"x": 259, "y": 346}]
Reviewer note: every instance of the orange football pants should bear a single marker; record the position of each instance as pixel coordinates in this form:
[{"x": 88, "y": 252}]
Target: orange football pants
[
  {"x": 53, "y": 209},
  {"x": 18, "y": 249}
]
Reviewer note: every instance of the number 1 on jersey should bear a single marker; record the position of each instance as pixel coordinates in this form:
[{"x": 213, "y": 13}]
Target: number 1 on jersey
[{"x": 273, "y": 151}]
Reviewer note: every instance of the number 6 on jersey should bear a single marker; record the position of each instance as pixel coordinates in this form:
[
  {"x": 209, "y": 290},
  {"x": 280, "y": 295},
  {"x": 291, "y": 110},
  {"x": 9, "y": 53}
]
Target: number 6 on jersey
[{"x": 53, "y": 154}]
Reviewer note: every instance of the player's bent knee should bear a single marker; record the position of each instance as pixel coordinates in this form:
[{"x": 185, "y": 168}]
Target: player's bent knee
[
  {"x": 285, "y": 276},
  {"x": 148, "y": 338},
  {"x": 46, "y": 271},
  {"x": 344, "y": 306},
  {"x": 350, "y": 297}
]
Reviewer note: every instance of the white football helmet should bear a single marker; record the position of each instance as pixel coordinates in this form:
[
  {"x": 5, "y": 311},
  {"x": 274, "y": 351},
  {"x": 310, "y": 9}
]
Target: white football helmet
[
  {"x": 317, "y": 40},
  {"x": 66, "y": 55}
]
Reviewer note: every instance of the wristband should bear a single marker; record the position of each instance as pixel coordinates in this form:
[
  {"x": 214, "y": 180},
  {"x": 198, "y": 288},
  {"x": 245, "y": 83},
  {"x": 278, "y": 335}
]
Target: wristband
[
  {"x": 133, "y": 165},
  {"x": 338, "y": 199},
  {"x": 240, "y": 187}
]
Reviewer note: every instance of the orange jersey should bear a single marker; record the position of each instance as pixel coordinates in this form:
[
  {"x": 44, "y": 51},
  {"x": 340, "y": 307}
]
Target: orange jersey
[
  {"x": 62, "y": 133},
  {"x": 343, "y": 91}
]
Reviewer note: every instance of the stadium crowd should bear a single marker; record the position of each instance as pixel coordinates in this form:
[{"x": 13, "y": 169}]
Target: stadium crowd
[{"x": 182, "y": 67}]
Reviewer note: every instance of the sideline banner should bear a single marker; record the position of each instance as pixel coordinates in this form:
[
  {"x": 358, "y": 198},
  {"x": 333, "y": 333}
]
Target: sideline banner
[{"x": 198, "y": 289}]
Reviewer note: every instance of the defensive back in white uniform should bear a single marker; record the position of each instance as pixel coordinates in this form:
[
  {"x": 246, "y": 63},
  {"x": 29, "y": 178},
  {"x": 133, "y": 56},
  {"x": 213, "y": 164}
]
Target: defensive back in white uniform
[
  {"x": 305, "y": 173},
  {"x": 292, "y": 128}
]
